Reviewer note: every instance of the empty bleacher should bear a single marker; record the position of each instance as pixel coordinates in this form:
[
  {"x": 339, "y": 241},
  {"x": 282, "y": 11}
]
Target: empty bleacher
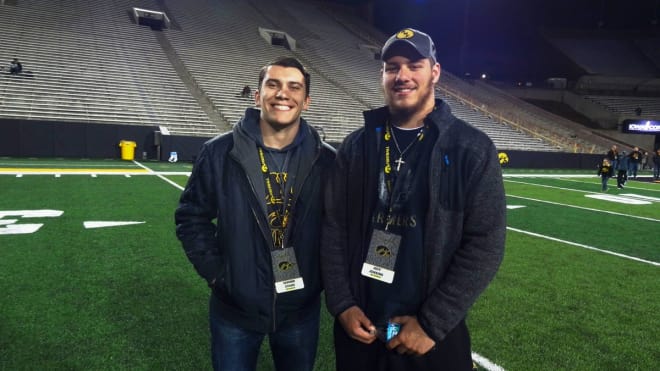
[
  {"x": 220, "y": 44},
  {"x": 86, "y": 62},
  {"x": 649, "y": 106},
  {"x": 89, "y": 62}
]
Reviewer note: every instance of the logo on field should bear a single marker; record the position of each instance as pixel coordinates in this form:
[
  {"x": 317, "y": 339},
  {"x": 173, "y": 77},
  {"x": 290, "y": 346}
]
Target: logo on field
[{"x": 504, "y": 158}]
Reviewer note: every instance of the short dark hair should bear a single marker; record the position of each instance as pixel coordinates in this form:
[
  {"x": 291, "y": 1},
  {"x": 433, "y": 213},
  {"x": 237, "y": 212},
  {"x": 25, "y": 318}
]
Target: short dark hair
[{"x": 287, "y": 62}]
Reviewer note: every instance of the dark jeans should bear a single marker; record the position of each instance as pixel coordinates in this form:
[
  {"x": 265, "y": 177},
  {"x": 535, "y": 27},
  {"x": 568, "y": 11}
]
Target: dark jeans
[
  {"x": 453, "y": 353},
  {"x": 604, "y": 179},
  {"x": 632, "y": 169},
  {"x": 236, "y": 349},
  {"x": 621, "y": 177}
]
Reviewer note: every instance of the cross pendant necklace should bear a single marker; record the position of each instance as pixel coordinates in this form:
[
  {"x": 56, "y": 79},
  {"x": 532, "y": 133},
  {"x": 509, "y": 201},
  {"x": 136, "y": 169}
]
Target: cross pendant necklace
[{"x": 400, "y": 161}]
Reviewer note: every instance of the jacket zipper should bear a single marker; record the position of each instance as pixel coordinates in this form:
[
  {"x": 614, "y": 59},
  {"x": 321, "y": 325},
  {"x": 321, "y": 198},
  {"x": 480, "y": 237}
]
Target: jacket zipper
[
  {"x": 254, "y": 192},
  {"x": 293, "y": 207}
]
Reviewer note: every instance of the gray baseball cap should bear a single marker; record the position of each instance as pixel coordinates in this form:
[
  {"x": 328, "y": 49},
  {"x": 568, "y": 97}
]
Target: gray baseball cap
[{"x": 409, "y": 42}]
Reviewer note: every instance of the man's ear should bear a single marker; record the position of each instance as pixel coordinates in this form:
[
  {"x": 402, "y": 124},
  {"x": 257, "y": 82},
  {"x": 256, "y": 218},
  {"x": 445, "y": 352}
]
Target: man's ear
[
  {"x": 257, "y": 101},
  {"x": 307, "y": 102},
  {"x": 436, "y": 70}
]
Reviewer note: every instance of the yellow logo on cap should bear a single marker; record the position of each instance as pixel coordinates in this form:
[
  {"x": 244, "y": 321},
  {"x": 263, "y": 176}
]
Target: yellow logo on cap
[{"x": 405, "y": 34}]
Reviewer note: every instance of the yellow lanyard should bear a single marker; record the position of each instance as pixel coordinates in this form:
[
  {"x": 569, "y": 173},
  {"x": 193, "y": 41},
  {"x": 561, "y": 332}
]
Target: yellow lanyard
[{"x": 281, "y": 214}]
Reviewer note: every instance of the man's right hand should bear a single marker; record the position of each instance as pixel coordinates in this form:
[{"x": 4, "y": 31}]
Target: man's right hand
[{"x": 357, "y": 325}]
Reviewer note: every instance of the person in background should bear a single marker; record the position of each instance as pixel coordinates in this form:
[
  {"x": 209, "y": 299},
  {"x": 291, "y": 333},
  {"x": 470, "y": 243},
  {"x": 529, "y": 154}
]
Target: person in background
[
  {"x": 613, "y": 155},
  {"x": 246, "y": 92},
  {"x": 415, "y": 224},
  {"x": 634, "y": 158},
  {"x": 622, "y": 170},
  {"x": 646, "y": 160},
  {"x": 605, "y": 171},
  {"x": 656, "y": 164},
  {"x": 249, "y": 221},
  {"x": 15, "y": 67}
]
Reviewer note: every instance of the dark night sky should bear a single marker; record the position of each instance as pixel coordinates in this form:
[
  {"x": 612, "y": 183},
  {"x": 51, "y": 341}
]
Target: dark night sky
[{"x": 501, "y": 37}]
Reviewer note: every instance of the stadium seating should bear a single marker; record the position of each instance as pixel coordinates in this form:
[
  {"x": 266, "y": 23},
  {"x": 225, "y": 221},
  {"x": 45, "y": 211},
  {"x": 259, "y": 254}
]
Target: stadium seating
[
  {"x": 90, "y": 62},
  {"x": 86, "y": 62},
  {"x": 650, "y": 106}
]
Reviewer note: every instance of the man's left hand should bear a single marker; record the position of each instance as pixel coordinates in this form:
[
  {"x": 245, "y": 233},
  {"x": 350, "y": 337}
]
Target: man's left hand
[{"x": 412, "y": 339}]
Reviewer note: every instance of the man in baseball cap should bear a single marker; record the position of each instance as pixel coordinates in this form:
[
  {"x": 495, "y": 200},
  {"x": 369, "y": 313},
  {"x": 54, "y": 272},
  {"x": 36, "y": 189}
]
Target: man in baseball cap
[{"x": 414, "y": 225}]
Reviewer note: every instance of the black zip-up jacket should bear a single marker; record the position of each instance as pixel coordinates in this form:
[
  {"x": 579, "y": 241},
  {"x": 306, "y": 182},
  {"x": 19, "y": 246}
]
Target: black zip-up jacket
[
  {"x": 226, "y": 185},
  {"x": 465, "y": 223}
]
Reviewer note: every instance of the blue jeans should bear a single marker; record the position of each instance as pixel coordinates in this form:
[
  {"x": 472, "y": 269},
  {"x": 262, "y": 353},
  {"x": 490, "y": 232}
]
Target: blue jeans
[
  {"x": 632, "y": 169},
  {"x": 604, "y": 179},
  {"x": 234, "y": 348}
]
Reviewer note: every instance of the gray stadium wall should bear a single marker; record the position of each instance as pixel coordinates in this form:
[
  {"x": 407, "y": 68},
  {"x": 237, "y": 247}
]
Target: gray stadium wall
[{"x": 32, "y": 138}]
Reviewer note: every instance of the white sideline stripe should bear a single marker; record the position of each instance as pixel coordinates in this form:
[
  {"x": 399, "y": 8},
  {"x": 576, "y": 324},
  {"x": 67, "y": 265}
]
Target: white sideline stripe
[
  {"x": 548, "y": 186},
  {"x": 558, "y": 175},
  {"x": 585, "y": 208},
  {"x": 628, "y": 185},
  {"x": 584, "y": 246},
  {"x": 158, "y": 175},
  {"x": 485, "y": 363}
]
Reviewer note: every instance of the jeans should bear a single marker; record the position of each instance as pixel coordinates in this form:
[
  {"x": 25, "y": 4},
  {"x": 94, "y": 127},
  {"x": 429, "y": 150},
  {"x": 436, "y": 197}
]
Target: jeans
[
  {"x": 632, "y": 169},
  {"x": 656, "y": 171},
  {"x": 236, "y": 349},
  {"x": 604, "y": 179}
]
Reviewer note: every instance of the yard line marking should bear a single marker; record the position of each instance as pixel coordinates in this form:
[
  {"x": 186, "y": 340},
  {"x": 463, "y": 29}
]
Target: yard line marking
[
  {"x": 19, "y": 175},
  {"x": 58, "y": 175},
  {"x": 93, "y": 175},
  {"x": 585, "y": 208},
  {"x": 642, "y": 197},
  {"x": 102, "y": 224},
  {"x": 485, "y": 363},
  {"x": 619, "y": 199},
  {"x": 158, "y": 175},
  {"x": 584, "y": 246}
]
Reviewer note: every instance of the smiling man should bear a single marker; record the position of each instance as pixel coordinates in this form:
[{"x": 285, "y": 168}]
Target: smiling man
[
  {"x": 414, "y": 226},
  {"x": 249, "y": 221}
]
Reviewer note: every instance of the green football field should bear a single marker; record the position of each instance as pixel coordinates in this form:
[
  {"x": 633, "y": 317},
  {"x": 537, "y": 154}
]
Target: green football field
[{"x": 93, "y": 278}]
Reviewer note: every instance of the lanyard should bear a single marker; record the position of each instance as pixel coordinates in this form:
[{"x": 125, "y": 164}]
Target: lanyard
[
  {"x": 278, "y": 215},
  {"x": 392, "y": 181}
]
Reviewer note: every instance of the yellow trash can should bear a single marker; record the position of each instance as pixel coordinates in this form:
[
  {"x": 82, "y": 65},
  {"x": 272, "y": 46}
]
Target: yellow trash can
[{"x": 127, "y": 149}]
